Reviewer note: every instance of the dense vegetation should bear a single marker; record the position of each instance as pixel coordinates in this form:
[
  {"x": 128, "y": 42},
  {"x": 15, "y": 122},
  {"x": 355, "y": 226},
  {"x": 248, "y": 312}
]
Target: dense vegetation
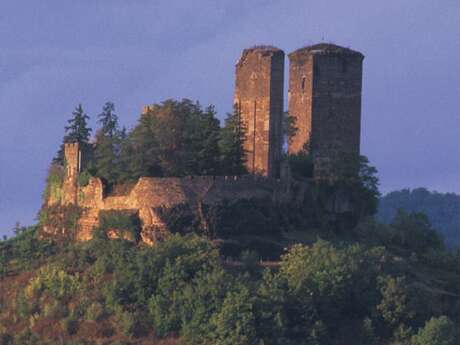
[
  {"x": 342, "y": 278},
  {"x": 381, "y": 284},
  {"x": 174, "y": 138},
  {"x": 442, "y": 209}
]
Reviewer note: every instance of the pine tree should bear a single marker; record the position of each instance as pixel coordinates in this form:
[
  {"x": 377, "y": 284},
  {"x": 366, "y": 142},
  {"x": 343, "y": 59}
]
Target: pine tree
[
  {"x": 108, "y": 141},
  {"x": 78, "y": 130},
  {"x": 232, "y": 136},
  {"x": 109, "y": 120}
]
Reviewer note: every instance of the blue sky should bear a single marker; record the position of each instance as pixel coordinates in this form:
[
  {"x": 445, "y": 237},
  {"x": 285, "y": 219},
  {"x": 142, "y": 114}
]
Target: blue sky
[{"x": 55, "y": 54}]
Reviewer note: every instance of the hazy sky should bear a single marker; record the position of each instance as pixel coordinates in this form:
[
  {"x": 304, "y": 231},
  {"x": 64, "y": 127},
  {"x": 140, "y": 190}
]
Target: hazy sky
[{"x": 55, "y": 54}]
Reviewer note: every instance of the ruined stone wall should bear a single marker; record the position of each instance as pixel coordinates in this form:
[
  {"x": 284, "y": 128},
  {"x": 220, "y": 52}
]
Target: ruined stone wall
[
  {"x": 259, "y": 99},
  {"x": 325, "y": 100},
  {"x": 152, "y": 195}
]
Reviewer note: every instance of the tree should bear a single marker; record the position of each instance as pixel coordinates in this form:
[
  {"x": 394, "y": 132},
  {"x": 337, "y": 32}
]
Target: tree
[
  {"x": 397, "y": 305},
  {"x": 78, "y": 130},
  {"x": 108, "y": 141},
  {"x": 301, "y": 163},
  {"x": 235, "y": 323},
  {"x": 437, "y": 331},
  {"x": 232, "y": 136},
  {"x": 109, "y": 120},
  {"x": 139, "y": 151},
  {"x": 413, "y": 231}
]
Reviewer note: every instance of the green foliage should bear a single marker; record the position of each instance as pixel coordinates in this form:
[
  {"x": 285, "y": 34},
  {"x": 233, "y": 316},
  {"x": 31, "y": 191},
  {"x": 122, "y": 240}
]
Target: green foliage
[
  {"x": 442, "y": 209},
  {"x": 53, "y": 281},
  {"x": 123, "y": 222},
  {"x": 397, "y": 305},
  {"x": 175, "y": 138},
  {"x": 25, "y": 250},
  {"x": 69, "y": 325},
  {"x": 109, "y": 139},
  {"x": 322, "y": 294},
  {"x": 59, "y": 222},
  {"x": 78, "y": 130},
  {"x": 83, "y": 178},
  {"x": 301, "y": 165},
  {"x": 95, "y": 311},
  {"x": 235, "y": 323},
  {"x": 53, "y": 188},
  {"x": 414, "y": 232},
  {"x": 437, "y": 331},
  {"x": 125, "y": 321},
  {"x": 232, "y": 136}
]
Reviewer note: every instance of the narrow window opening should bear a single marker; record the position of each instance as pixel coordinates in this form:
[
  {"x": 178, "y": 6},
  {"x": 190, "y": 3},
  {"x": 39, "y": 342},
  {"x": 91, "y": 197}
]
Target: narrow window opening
[{"x": 303, "y": 83}]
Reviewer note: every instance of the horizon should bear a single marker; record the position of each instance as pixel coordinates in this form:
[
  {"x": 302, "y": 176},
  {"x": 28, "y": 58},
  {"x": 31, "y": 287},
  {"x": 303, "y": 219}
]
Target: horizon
[{"x": 120, "y": 53}]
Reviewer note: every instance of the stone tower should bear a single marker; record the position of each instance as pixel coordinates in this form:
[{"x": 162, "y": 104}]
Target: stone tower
[
  {"x": 259, "y": 100},
  {"x": 72, "y": 154},
  {"x": 325, "y": 82}
]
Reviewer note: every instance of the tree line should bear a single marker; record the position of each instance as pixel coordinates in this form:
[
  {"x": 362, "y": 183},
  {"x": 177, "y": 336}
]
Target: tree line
[{"x": 173, "y": 138}]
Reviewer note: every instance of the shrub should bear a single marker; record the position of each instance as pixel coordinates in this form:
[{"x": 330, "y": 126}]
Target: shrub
[
  {"x": 58, "y": 283},
  {"x": 83, "y": 178},
  {"x": 69, "y": 325},
  {"x": 95, "y": 311},
  {"x": 125, "y": 321},
  {"x": 123, "y": 222},
  {"x": 437, "y": 331},
  {"x": 249, "y": 259},
  {"x": 55, "y": 310}
]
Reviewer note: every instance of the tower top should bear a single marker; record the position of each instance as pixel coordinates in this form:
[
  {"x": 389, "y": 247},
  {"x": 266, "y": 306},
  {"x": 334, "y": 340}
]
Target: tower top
[
  {"x": 265, "y": 50},
  {"x": 323, "y": 49}
]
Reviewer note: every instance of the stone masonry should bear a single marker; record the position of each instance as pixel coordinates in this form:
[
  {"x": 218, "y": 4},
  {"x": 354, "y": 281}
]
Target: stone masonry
[
  {"x": 259, "y": 101},
  {"x": 72, "y": 154},
  {"x": 325, "y": 84}
]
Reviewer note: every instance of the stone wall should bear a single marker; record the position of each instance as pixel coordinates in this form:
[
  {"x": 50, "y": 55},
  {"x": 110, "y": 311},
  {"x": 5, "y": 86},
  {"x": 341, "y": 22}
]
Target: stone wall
[
  {"x": 325, "y": 99},
  {"x": 151, "y": 196},
  {"x": 259, "y": 100}
]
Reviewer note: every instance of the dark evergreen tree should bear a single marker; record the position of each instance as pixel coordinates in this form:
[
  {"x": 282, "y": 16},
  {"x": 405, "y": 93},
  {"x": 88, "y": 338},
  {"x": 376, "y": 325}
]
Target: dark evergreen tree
[
  {"x": 108, "y": 141},
  {"x": 109, "y": 120},
  {"x": 76, "y": 131},
  {"x": 203, "y": 135},
  {"x": 232, "y": 155},
  {"x": 139, "y": 151}
]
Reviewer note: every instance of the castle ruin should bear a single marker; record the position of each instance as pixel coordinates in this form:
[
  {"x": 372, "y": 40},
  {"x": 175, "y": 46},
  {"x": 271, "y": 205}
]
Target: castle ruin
[{"x": 324, "y": 99}]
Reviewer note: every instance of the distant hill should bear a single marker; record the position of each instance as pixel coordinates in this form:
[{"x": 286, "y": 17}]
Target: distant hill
[{"x": 443, "y": 209}]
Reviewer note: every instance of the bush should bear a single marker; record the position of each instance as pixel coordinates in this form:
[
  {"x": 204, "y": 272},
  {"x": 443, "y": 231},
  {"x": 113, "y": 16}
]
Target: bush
[
  {"x": 123, "y": 222},
  {"x": 437, "y": 331},
  {"x": 83, "y": 178},
  {"x": 53, "y": 281},
  {"x": 95, "y": 312},
  {"x": 70, "y": 325},
  {"x": 125, "y": 321}
]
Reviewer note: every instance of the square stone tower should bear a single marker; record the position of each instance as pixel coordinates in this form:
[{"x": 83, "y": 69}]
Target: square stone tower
[
  {"x": 325, "y": 82},
  {"x": 72, "y": 155},
  {"x": 259, "y": 100}
]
